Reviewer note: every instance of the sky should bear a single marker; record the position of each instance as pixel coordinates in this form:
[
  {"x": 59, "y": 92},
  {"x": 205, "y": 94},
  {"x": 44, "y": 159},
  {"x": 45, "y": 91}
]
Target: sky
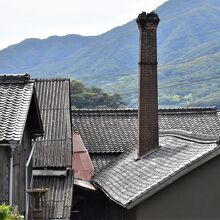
[{"x": 22, "y": 19}]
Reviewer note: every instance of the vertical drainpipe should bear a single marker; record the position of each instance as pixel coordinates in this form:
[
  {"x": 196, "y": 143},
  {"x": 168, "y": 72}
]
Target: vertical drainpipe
[
  {"x": 12, "y": 147},
  {"x": 26, "y": 179}
]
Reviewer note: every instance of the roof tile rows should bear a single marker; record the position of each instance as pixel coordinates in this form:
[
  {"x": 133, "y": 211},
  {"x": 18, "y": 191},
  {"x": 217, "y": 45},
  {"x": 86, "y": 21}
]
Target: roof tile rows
[
  {"x": 114, "y": 131},
  {"x": 102, "y": 160},
  {"x": 16, "y": 93},
  {"x": 105, "y": 131},
  {"x": 108, "y": 133},
  {"x": 55, "y": 149},
  {"x": 127, "y": 180}
]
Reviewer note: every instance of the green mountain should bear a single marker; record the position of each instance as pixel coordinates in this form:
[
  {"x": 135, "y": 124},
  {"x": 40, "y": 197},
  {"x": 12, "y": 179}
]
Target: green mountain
[{"x": 188, "y": 56}]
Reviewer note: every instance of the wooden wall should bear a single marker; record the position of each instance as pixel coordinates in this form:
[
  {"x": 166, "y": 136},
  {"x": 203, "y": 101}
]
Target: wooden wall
[
  {"x": 4, "y": 174},
  {"x": 20, "y": 158}
]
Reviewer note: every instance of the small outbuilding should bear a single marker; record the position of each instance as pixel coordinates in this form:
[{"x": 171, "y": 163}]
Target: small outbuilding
[
  {"x": 52, "y": 166},
  {"x": 20, "y": 124}
]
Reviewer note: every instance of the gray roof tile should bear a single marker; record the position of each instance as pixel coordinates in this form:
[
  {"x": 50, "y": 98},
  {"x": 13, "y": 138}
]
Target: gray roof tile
[
  {"x": 126, "y": 180},
  {"x": 15, "y": 98},
  {"x": 114, "y": 131},
  {"x": 102, "y": 160},
  {"x": 55, "y": 149}
]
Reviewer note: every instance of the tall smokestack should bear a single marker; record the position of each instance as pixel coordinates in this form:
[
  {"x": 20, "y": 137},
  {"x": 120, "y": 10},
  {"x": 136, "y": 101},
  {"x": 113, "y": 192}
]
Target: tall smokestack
[{"x": 148, "y": 96}]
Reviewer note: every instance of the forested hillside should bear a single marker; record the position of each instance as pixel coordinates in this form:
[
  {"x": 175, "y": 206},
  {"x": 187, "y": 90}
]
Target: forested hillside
[
  {"x": 188, "y": 56},
  {"x": 93, "y": 97}
]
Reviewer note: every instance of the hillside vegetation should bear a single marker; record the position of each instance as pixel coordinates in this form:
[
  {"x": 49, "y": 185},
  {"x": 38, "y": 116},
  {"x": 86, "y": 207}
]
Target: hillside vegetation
[
  {"x": 188, "y": 56},
  {"x": 93, "y": 97}
]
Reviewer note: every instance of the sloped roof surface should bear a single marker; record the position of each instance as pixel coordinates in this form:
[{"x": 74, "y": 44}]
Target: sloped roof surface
[
  {"x": 15, "y": 98},
  {"x": 127, "y": 180},
  {"x": 82, "y": 164},
  {"x": 55, "y": 149},
  {"x": 105, "y": 131},
  {"x": 102, "y": 160},
  {"x": 59, "y": 196},
  {"x": 114, "y": 131}
]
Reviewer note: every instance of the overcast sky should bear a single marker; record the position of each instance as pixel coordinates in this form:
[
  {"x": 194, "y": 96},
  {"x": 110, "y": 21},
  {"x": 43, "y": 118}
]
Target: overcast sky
[{"x": 21, "y": 19}]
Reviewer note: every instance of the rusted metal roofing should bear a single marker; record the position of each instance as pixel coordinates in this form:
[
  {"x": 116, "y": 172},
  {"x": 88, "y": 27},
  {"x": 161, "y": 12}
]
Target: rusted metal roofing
[
  {"x": 16, "y": 96},
  {"x": 55, "y": 149},
  {"x": 82, "y": 164},
  {"x": 59, "y": 196},
  {"x": 114, "y": 131},
  {"x": 128, "y": 181}
]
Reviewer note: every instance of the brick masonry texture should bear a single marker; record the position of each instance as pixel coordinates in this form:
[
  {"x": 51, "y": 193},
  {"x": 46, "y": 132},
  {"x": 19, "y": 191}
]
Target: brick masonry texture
[{"x": 148, "y": 94}]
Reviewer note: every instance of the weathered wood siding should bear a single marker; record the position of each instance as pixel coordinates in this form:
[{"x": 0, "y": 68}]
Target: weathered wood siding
[
  {"x": 4, "y": 174},
  {"x": 20, "y": 158}
]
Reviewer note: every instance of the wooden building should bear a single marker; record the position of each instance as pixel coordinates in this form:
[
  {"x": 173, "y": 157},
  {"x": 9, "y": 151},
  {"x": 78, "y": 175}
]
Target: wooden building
[
  {"x": 20, "y": 123},
  {"x": 180, "y": 177},
  {"x": 149, "y": 164},
  {"x": 52, "y": 165}
]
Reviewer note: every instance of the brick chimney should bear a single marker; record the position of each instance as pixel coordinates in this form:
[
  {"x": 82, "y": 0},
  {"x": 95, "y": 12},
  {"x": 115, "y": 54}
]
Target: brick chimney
[{"x": 148, "y": 95}]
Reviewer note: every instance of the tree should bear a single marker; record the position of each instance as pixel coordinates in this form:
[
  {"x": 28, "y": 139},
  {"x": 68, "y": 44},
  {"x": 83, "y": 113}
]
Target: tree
[{"x": 93, "y": 97}]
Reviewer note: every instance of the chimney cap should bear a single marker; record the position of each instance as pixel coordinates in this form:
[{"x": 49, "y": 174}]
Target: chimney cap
[{"x": 145, "y": 18}]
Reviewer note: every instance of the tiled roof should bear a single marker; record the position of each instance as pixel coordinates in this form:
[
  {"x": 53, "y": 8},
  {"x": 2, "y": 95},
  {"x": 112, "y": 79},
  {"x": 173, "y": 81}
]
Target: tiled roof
[
  {"x": 102, "y": 160},
  {"x": 59, "y": 196},
  {"x": 16, "y": 92},
  {"x": 114, "y": 131},
  {"x": 55, "y": 149},
  {"x": 128, "y": 181},
  {"x": 105, "y": 131}
]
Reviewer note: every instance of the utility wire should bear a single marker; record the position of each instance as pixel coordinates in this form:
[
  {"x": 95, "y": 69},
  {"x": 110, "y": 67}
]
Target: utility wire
[
  {"x": 132, "y": 75},
  {"x": 180, "y": 84}
]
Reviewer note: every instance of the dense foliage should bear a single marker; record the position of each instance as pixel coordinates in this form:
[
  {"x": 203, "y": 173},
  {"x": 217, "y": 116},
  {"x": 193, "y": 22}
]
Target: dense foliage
[
  {"x": 93, "y": 97},
  {"x": 8, "y": 212},
  {"x": 188, "y": 56}
]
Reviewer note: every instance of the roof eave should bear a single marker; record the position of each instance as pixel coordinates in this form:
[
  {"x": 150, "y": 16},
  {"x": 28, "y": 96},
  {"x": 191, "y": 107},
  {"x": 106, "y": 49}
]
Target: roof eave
[
  {"x": 172, "y": 178},
  {"x": 40, "y": 123}
]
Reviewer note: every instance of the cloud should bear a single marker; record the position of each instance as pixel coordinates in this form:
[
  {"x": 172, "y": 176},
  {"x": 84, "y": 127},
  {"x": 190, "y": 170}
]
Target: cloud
[{"x": 42, "y": 18}]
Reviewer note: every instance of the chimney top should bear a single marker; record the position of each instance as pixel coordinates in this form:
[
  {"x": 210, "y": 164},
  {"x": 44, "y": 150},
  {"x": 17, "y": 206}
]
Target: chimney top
[{"x": 144, "y": 18}]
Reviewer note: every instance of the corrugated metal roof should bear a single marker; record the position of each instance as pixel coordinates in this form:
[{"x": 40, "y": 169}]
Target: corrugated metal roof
[
  {"x": 16, "y": 92},
  {"x": 128, "y": 181},
  {"x": 55, "y": 149},
  {"x": 59, "y": 196},
  {"x": 114, "y": 131}
]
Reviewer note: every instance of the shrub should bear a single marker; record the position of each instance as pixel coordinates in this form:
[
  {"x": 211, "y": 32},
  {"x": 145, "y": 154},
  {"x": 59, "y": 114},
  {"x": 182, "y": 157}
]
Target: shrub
[{"x": 8, "y": 212}]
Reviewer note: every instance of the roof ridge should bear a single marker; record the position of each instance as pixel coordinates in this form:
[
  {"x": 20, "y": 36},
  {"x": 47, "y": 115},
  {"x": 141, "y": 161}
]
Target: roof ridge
[
  {"x": 51, "y": 79},
  {"x": 189, "y": 109},
  {"x": 190, "y": 136},
  {"x": 131, "y": 110},
  {"x": 15, "y": 78},
  {"x": 160, "y": 111}
]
